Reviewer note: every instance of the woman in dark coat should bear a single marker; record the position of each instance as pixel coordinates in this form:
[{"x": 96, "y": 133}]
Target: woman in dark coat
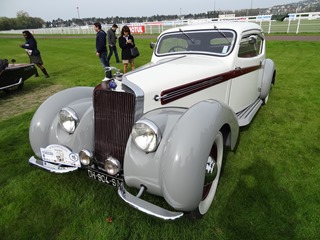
[
  {"x": 126, "y": 42},
  {"x": 34, "y": 54}
]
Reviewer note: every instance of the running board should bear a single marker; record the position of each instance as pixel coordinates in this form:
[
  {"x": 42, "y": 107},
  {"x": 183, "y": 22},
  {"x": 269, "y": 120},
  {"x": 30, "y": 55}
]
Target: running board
[
  {"x": 245, "y": 116},
  {"x": 147, "y": 207}
]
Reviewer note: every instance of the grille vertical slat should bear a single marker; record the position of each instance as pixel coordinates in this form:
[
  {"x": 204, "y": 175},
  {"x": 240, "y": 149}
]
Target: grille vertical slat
[{"x": 114, "y": 117}]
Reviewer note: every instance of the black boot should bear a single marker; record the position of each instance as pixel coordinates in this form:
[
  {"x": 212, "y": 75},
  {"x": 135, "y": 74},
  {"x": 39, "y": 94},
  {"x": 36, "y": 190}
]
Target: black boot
[
  {"x": 36, "y": 74},
  {"x": 46, "y": 75}
]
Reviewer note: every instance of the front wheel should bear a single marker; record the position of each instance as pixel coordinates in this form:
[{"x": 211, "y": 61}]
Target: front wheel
[{"x": 213, "y": 169}]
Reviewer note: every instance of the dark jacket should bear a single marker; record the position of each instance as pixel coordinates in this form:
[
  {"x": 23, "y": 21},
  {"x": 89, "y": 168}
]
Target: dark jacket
[
  {"x": 112, "y": 38},
  {"x": 126, "y": 53},
  {"x": 31, "y": 45},
  {"x": 101, "y": 41}
]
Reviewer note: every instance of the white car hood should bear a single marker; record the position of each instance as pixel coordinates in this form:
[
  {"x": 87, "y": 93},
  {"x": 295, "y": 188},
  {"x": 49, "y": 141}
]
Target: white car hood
[
  {"x": 173, "y": 72},
  {"x": 176, "y": 71}
]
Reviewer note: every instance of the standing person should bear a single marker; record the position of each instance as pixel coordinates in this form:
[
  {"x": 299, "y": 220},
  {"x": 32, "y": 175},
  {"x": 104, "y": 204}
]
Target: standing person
[
  {"x": 34, "y": 54},
  {"x": 101, "y": 47},
  {"x": 126, "y": 42},
  {"x": 112, "y": 38}
]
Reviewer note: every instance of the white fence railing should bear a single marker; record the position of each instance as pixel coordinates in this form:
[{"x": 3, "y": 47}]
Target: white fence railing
[{"x": 296, "y": 23}]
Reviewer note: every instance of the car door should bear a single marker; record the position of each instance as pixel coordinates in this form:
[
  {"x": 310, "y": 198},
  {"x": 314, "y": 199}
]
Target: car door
[{"x": 247, "y": 71}]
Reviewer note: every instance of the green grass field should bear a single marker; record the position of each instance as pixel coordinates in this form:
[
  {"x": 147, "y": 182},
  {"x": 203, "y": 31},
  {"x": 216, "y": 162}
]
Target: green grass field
[{"x": 269, "y": 186}]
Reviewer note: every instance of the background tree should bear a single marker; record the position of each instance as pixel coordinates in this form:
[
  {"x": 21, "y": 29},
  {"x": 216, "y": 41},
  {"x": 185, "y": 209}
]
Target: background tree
[{"x": 22, "y": 21}]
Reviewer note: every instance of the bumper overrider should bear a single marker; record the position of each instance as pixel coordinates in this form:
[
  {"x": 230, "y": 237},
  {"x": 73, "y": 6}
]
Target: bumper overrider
[
  {"x": 60, "y": 159},
  {"x": 146, "y": 207}
]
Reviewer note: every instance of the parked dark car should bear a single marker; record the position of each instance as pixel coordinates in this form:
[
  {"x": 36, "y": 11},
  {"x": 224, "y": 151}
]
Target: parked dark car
[{"x": 12, "y": 76}]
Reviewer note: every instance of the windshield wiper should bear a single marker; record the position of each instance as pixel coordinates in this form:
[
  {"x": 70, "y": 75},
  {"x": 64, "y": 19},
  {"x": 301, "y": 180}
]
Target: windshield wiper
[
  {"x": 222, "y": 33},
  {"x": 187, "y": 36}
]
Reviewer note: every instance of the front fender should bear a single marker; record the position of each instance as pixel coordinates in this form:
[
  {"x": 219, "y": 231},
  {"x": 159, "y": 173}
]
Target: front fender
[
  {"x": 188, "y": 146},
  {"x": 45, "y": 130},
  {"x": 176, "y": 170}
]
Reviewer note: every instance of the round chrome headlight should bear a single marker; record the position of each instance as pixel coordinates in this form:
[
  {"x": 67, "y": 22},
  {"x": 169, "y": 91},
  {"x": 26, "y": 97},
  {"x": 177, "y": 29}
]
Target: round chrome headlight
[
  {"x": 68, "y": 119},
  {"x": 86, "y": 157},
  {"x": 112, "y": 165},
  {"x": 146, "y": 135}
]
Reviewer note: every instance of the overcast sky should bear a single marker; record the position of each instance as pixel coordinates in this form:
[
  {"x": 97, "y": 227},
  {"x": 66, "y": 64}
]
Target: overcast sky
[{"x": 68, "y": 9}]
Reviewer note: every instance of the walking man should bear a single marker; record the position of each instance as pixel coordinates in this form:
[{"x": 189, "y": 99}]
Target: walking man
[
  {"x": 112, "y": 38},
  {"x": 101, "y": 48}
]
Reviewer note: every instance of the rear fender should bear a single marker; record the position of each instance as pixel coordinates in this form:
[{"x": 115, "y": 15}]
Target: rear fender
[
  {"x": 45, "y": 130},
  {"x": 268, "y": 78}
]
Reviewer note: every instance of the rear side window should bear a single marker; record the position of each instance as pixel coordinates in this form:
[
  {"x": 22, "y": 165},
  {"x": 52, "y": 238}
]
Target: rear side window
[{"x": 250, "y": 46}]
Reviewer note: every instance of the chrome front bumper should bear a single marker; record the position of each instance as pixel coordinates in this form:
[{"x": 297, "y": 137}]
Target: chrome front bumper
[
  {"x": 51, "y": 167},
  {"x": 147, "y": 207},
  {"x": 134, "y": 201},
  {"x": 57, "y": 158}
]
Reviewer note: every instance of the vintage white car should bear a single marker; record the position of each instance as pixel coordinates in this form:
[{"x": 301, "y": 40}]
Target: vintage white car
[{"x": 161, "y": 128}]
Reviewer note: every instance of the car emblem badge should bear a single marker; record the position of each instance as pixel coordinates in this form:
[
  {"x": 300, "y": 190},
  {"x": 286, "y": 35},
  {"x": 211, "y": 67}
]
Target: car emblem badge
[{"x": 112, "y": 85}]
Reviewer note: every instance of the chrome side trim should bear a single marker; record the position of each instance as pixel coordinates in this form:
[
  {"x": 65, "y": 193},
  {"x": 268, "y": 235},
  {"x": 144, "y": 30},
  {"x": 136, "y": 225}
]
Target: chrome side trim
[
  {"x": 51, "y": 167},
  {"x": 12, "y": 85},
  {"x": 147, "y": 207}
]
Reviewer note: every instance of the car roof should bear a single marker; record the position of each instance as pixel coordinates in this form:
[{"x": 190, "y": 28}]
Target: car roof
[{"x": 237, "y": 26}]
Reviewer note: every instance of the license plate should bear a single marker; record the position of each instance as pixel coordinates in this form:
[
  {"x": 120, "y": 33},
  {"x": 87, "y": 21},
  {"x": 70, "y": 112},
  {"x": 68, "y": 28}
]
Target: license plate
[{"x": 103, "y": 178}]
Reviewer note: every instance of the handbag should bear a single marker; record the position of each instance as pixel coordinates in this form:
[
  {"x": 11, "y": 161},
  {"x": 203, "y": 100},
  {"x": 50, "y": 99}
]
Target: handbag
[{"x": 134, "y": 52}]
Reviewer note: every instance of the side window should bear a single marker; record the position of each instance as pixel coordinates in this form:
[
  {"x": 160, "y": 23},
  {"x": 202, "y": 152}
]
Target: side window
[{"x": 250, "y": 46}]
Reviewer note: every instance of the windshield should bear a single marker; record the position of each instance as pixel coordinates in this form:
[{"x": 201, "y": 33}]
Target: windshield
[{"x": 217, "y": 42}]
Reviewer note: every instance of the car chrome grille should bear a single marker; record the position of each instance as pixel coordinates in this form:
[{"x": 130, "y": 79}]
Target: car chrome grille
[{"x": 114, "y": 118}]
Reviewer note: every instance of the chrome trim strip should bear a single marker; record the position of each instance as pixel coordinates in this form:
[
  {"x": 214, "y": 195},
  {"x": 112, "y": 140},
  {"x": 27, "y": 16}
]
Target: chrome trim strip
[
  {"x": 128, "y": 86},
  {"x": 12, "y": 85},
  {"x": 191, "y": 88},
  {"x": 147, "y": 207},
  {"x": 51, "y": 167}
]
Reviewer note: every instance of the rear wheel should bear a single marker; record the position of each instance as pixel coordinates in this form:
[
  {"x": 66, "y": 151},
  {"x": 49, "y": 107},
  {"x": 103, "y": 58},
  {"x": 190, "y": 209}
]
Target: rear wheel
[{"x": 213, "y": 170}]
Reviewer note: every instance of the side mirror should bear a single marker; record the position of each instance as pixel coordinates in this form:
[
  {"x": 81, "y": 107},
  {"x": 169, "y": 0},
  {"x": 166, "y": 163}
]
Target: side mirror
[
  {"x": 252, "y": 39},
  {"x": 152, "y": 45}
]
